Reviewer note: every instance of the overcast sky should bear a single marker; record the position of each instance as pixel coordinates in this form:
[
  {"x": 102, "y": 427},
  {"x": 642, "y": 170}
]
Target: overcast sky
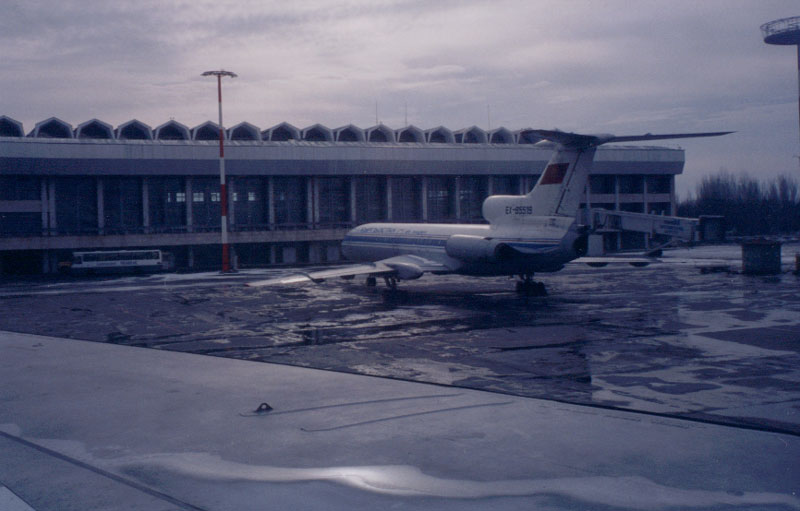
[{"x": 619, "y": 66}]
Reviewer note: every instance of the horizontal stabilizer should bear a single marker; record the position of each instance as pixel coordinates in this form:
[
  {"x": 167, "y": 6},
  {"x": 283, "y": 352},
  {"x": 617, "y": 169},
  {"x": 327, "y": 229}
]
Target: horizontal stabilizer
[
  {"x": 566, "y": 139},
  {"x": 650, "y": 136},
  {"x": 579, "y": 140}
]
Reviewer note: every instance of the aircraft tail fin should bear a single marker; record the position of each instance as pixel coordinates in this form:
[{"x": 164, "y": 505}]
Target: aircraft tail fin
[{"x": 560, "y": 187}]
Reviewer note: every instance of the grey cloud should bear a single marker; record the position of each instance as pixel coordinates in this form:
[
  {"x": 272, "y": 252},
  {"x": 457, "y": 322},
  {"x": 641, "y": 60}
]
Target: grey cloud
[{"x": 610, "y": 65}]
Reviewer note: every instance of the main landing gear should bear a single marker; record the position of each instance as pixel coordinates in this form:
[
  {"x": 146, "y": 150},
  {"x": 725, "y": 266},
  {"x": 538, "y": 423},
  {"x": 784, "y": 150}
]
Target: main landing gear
[
  {"x": 391, "y": 282},
  {"x": 526, "y": 286}
]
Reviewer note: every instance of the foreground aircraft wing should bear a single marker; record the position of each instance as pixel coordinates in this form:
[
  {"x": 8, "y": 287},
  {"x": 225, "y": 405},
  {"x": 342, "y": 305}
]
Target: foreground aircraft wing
[{"x": 405, "y": 267}]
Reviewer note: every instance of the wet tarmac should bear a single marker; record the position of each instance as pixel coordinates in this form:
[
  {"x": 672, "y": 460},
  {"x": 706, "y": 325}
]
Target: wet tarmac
[{"x": 667, "y": 339}]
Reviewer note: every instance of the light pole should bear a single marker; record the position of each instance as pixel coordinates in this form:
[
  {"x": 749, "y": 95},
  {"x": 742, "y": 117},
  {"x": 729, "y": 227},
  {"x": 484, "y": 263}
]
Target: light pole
[{"x": 226, "y": 267}]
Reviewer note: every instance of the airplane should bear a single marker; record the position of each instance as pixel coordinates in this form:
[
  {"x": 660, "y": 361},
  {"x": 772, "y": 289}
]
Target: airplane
[{"x": 526, "y": 234}]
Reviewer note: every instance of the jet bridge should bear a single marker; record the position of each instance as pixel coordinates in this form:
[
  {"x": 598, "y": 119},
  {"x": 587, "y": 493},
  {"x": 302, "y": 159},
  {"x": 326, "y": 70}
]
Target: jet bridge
[{"x": 604, "y": 221}]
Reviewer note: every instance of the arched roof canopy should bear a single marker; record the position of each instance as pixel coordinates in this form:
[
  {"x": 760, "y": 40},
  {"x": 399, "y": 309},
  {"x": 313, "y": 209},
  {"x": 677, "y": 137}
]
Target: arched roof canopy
[
  {"x": 281, "y": 133},
  {"x": 379, "y": 133},
  {"x": 526, "y": 137},
  {"x": 10, "y": 127},
  {"x": 472, "y": 135},
  {"x": 244, "y": 131},
  {"x": 501, "y": 136},
  {"x": 206, "y": 131},
  {"x": 134, "y": 130},
  {"x": 52, "y": 128},
  {"x": 349, "y": 133},
  {"x": 172, "y": 130},
  {"x": 410, "y": 134},
  {"x": 317, "y": 133},
  {"x": 440, "y": 135},
  {"x": 96, "y": 129}
]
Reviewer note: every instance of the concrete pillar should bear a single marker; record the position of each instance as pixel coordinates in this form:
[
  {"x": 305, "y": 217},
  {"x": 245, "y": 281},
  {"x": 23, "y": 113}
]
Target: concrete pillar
[
  {"x": 353, "y": 208},
  {"x": 46, "y": 268},
  {"x": 233, "y": 257},
  {"x": 146, "y": 204},
  {"x": 50, "y": 261},
  {"x": 311, "y": 204},
  {"x": 189, "y": 214},
  {"x": 457, "y": 197},
  {"x": 314, "y": 253},
  {"x": 271, "y": 207},
  {"x": 490, "y": 186},
  {"x": 315, "y": 190},
  {"x": 45, "y": 207},
  {"x": 190, "y": 258},
  {"x": 52, "y": 256},
  {"x": 231, "y": 185},
  {"x": 388, "y": 198},
  {"x": 51, "y": 209},
  {"x": 101, "y": 214},
  {"x": 271, "y": 253},
  {"x": 424, "y": 194}
]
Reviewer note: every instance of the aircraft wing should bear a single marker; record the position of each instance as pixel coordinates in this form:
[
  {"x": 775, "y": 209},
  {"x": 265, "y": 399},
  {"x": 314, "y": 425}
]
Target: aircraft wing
[{"x": 404, "y": 267}]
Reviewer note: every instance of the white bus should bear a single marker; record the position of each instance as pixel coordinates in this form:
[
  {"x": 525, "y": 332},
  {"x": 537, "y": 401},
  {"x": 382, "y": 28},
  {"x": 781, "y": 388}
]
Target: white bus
[{"x": 119, "y": 260}]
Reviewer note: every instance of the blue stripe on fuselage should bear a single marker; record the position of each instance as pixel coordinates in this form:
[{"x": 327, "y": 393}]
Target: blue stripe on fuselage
[
  {"x": 441, "y": 242},
  {"x": 393, "y": 240}
]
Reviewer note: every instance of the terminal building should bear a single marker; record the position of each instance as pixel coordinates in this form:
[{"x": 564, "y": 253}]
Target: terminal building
[{"x": 293, "y": 192}]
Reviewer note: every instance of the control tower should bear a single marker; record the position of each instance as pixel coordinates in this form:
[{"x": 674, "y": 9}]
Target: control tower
[{"x": 785, "y": 31}]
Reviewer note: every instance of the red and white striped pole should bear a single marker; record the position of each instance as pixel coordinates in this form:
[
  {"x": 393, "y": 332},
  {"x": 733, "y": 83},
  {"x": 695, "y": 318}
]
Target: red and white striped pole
[{"x": 226, "y": 266}]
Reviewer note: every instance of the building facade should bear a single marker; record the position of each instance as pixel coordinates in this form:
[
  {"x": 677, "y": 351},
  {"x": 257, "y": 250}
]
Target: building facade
[{"x": 293, "y": 193}]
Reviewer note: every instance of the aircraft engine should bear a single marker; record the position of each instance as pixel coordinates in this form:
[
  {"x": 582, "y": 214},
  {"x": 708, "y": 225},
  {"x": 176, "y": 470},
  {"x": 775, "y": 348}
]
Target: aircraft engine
[
  {"x": 406, "y": 271},
  {"x": 476, "y": 248}
]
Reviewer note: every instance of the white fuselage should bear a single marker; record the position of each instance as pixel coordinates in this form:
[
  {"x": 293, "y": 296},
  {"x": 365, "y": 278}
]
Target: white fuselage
[{"x": 538, "y": 244}]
